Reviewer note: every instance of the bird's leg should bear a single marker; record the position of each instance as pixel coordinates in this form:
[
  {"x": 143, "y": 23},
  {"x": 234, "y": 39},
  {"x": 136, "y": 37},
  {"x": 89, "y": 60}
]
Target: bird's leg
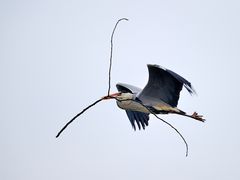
[{"x": 195, "y": 115}]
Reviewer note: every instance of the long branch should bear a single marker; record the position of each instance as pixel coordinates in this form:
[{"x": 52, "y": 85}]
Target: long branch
[
  {"x": 109, "y": 83},
  {"x": 185, "y": 142},
  {"x": 151, "y": 112},
  {"x": 77, "y": 116},
  {"x": 111, "y": 52}
]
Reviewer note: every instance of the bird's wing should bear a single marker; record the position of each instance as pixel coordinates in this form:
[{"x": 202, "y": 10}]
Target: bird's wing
[
  {"x": 140, "y": 118},
  {"x": 135, "y": 117},
  {"x": 163, "y": 86},
  {"x": 125, "y": 88}
]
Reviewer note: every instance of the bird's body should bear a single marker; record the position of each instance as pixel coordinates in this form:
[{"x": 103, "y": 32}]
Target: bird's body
[
  {"x": 159, "y": 96},
  {"x": 131, "y": 104}
]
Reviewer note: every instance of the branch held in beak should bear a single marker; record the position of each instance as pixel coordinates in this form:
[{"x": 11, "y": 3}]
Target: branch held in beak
[{"x": 111, "y": 96}]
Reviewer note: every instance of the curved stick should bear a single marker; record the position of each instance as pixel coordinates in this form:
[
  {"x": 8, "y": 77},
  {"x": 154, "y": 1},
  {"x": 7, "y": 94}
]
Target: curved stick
[
  {"x": 110, "y": 65},
  {"x": 109, "y": 83},
  {"x": 185, "y": 142},
  {"x": 66, "y": 125},
  {"x": 151, "y": 112}
]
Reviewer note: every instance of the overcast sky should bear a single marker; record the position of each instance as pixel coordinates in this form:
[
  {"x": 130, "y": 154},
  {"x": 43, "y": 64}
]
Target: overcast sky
[{"x": 54, "y": 62}]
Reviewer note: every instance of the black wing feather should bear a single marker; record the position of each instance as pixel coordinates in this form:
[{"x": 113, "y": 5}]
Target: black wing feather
[
  {"x": 131, "y": 118},
  {"x": 185, "y": 82},
  {"x": 163, "y": 85},
  {"x": 140, "y": 118}
]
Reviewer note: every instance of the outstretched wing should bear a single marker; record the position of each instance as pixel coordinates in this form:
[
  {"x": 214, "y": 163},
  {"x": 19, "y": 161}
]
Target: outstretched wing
[
  {"x": 135, "y": 117},
  {"x": 163, "y": 86}
]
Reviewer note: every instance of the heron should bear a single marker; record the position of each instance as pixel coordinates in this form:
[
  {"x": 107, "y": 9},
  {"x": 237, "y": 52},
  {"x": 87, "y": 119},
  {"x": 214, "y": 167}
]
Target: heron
[{"x": 159, "y": 96}]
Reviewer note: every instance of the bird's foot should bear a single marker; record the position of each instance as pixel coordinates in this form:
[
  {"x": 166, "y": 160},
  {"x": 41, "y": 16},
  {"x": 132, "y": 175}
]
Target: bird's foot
[{"x": 198, "y": 117}]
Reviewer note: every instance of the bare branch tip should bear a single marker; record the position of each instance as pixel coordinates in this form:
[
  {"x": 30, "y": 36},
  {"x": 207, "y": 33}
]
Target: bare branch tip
[{"x": 126, "y": 19}]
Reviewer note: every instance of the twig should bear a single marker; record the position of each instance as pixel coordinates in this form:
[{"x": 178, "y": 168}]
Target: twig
[
  {"x": 109, "y": 83},
  {"x": 77, "y": 116},
  {"x": 110, "y": 65},
  {"x": 151, "y": 112},
  {"x": 185, "y": 142}
]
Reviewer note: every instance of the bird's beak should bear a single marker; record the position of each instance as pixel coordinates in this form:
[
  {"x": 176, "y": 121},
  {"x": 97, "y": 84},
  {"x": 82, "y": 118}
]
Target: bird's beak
[{"x": 111, "y": 96}]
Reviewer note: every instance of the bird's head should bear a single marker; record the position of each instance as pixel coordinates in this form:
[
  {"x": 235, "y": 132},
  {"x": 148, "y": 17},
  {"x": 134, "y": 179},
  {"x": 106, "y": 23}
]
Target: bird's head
[{"x": 119, "y": 96}]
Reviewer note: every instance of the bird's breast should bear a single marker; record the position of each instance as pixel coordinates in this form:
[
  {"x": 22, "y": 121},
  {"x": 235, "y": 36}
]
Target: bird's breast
[
  {"x": 124, "y": 104},
  {"x": 132, "y": 105}
]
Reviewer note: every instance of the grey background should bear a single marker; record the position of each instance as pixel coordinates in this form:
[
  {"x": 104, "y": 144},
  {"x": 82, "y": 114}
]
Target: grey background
[{"x": 54, "y": 62}]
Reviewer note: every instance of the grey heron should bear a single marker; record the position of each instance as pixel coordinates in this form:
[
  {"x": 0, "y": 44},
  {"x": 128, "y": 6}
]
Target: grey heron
[{"x": 159, "y": 96}]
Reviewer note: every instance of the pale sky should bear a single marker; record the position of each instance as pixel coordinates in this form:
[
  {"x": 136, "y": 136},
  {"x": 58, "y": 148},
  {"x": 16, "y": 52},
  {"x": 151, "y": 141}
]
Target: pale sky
[{"x": 54, "y": 62}]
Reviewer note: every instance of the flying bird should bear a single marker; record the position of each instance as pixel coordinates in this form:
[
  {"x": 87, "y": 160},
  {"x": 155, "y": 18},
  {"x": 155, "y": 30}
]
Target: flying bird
[{"x": 159, "y": 96}]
